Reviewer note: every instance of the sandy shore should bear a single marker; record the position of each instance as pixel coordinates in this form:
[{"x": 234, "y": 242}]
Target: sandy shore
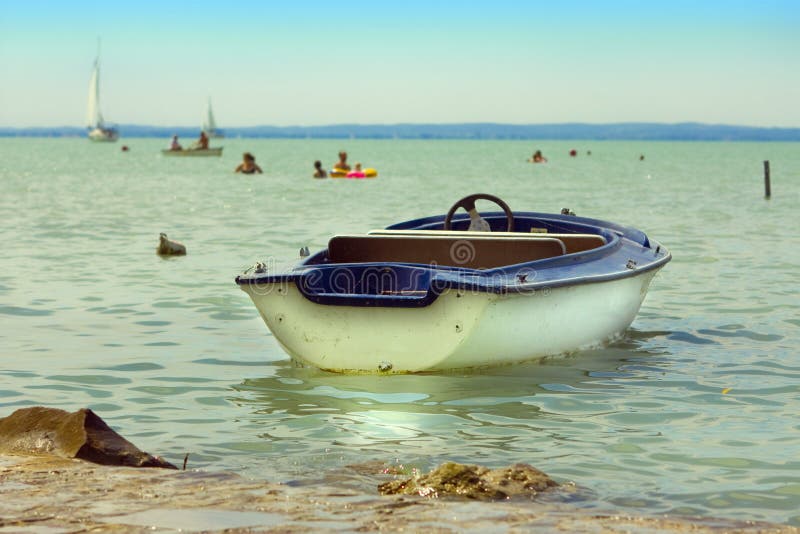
[{"x": 53, "y": 495}]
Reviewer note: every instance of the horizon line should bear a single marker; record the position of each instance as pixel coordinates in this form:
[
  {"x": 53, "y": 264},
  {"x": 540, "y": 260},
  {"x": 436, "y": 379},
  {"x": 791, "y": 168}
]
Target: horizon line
[
  {"x": 417, "y": 124},
  {"x": 619, "y": 131}
]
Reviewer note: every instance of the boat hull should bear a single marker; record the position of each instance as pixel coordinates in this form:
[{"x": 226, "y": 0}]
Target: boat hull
[
  {"x": 193, "y": 153},
  {"x": 460, "y": 329},
  {"x": 103, "y": 135},
  {"x": 423, "y": 295}
]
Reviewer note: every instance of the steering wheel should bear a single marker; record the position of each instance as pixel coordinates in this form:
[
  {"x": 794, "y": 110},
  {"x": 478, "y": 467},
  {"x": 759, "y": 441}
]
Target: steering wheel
[{"x": 468, "y": 203}]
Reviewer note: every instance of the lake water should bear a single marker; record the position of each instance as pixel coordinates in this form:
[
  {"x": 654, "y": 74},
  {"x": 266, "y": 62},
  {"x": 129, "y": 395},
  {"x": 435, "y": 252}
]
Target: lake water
[{"x": 694, "y": 412}]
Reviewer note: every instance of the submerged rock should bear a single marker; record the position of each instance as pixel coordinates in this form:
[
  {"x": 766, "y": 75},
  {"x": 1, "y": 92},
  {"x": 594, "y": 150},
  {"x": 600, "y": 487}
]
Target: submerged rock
[
  {"x": 168, "y": 247},
  {"x": 81, "y": 434},
  {"x": 473, "y": 482},
  {"x": 51, "y": 495}
]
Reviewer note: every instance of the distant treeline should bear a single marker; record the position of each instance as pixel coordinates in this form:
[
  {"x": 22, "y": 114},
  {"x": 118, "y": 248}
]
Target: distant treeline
[{"x": 690, "y": 131}]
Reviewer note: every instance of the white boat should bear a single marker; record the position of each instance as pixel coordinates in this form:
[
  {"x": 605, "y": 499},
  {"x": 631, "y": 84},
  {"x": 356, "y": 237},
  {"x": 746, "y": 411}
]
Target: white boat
[
  {"x": 193, "y": 152},
  {"x": 210, "y": 125},
  {"x": 434, "y": 294},
  {"x": 98, "y": 130}
]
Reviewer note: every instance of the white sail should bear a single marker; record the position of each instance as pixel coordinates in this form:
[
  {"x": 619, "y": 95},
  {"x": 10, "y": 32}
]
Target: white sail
[
  {"x": 98, "y": 131},
  {"x": 209, "y": 124},
  {"x": 94, "y": 119}
]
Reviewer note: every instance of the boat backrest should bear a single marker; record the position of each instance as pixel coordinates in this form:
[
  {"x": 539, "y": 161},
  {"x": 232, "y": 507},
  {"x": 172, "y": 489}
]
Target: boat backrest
[
  {"x": 572, "y": 242},
  {"x": 484, "y": 252}
]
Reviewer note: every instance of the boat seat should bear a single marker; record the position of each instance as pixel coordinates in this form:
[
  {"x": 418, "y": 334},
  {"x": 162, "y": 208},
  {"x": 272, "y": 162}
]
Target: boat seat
[
  {"x": 471, "y": 252},
  {"x": 572, "y": 242}
]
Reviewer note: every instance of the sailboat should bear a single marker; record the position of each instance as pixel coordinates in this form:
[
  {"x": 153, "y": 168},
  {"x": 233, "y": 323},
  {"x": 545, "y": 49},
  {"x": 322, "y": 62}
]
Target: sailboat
[
  {"x": 210, "y": 125},
  {"x": 98, "y": 131}
]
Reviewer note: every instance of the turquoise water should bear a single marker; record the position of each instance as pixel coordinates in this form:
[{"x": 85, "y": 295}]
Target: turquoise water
[{"x": 695, "y": 411}]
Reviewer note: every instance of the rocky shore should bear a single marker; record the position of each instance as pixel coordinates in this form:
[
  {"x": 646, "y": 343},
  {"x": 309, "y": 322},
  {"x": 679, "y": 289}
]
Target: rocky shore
[{"x": 47, "y": 490}]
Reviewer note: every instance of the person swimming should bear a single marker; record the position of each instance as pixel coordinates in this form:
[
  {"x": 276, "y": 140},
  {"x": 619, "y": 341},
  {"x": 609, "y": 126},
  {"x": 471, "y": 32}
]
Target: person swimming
[
  {"x": 342, "y": 165},
  {"x": 357, "y": 172},
  {"x": 319, "y": 172},
  {"x": 248, "y": 165},
  {"x": 538, "y": 157}
]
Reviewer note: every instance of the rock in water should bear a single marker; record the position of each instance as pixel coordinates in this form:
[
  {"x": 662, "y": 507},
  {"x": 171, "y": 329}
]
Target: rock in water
[
  {"x": 473, "y": 482},
  {"x": 82, "y": 434},
  {"x": 168, "y": 247}
]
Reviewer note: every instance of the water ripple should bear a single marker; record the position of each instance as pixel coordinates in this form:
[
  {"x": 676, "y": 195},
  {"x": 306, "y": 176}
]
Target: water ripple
[
  {"x": 18, "y": 310},
  {"x": 697, "y": 404}
]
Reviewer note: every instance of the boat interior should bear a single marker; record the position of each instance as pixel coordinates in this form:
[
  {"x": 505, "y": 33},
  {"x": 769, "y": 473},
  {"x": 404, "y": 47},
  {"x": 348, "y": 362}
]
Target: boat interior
[
  {"x": 392, "y": 267},
  {"x": 471, "y": 250},
  {"x": 468, "y": 240}
]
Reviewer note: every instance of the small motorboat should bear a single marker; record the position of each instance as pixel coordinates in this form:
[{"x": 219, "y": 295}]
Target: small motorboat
[
  {"x": 458, "y": 291},
  {"x": 193, "y": 152}
]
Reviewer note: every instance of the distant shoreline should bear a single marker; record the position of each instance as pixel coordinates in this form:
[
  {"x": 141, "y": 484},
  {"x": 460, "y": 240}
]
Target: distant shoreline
[{"x": 689, "y": 131}]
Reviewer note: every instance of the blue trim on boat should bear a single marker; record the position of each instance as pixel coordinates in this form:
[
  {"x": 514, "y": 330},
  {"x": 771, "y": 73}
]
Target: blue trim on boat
[{"x": 628, "y": 252}]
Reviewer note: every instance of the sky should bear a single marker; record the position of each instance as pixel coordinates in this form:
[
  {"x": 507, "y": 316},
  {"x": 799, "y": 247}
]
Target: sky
[{"x": 282, "y": 63}]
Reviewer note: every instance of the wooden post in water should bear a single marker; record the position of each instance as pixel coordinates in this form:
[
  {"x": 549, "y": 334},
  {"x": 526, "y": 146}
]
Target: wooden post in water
[{"x": 767, "y": 189}]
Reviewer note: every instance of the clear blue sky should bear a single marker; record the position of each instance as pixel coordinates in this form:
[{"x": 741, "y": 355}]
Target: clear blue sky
[{"x": 299, "y": 62}]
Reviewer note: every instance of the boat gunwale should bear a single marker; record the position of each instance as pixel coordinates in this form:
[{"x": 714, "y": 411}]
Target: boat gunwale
[
  {"x": 460, "y": 280},
  {"x": 192, "y": 152},
  {"x": 506, "y": 280}
]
